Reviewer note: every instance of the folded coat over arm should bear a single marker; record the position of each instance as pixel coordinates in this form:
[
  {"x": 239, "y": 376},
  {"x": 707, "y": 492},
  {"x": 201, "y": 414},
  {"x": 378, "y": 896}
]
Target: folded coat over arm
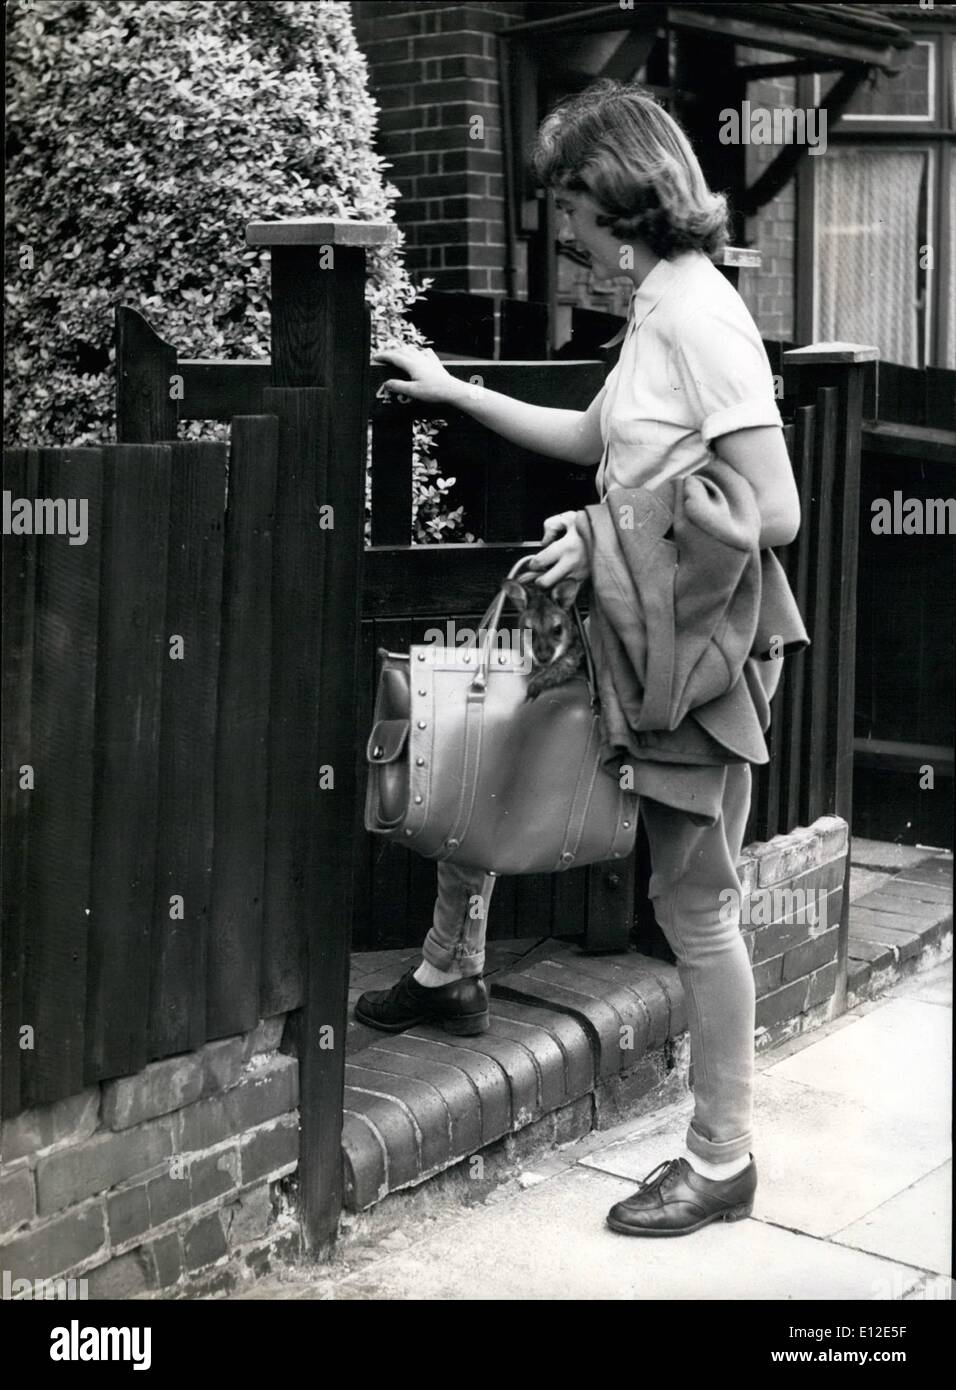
[{"x": 685, "y": 609}]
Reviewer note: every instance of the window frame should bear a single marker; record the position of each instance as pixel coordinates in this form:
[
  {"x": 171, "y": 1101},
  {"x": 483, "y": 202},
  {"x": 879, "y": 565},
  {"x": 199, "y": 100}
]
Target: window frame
[
  {"x": 879, "y": 122},
  {"x": 938, "y": 139}
]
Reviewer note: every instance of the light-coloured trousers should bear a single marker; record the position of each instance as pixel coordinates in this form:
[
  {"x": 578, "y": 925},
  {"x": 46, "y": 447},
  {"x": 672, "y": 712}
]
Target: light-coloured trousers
[{"x": 691, "y": 866}]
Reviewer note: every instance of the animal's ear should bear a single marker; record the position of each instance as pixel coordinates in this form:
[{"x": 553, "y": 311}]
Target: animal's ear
[
  {"x": 517, "y": 593},
  {"x": 566, "y": 591}
]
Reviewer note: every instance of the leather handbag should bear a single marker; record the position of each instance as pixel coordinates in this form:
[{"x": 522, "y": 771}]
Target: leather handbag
[{"x": 463, "y": 768}]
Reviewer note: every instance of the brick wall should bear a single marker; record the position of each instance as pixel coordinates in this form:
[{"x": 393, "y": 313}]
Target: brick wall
[
  {"x": 167, "y": 1181},
  {"x": 794, "y": 952},
  {"x": 433, "y": 71},
  {"x": 769, "y": 292}
]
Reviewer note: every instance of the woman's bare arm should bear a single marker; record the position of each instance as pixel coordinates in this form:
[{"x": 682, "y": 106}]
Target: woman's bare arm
[
  {"x": 760, "y": 455},
  {"x": 571, "y": 435}
]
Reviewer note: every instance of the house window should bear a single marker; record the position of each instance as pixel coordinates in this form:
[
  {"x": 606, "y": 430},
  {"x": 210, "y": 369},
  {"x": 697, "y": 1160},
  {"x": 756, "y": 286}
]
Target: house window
[
  {"x": 879, "y": 213},
  {"x": 909, "y": 95},
  {"x": 871, "y": 281}
]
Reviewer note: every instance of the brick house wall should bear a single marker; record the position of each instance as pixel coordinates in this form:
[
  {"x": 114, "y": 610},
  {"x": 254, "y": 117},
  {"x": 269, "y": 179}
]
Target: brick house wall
[
  {"x": 770, "y": 292},
  {"x": 433, "y": 69}
]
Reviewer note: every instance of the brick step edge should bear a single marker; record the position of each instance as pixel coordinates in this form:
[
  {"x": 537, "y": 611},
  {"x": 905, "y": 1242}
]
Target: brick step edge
[{"x": 881, "y": 963}]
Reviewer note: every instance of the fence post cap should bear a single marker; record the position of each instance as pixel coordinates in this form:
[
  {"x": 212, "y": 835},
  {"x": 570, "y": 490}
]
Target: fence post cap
[
  {"x": 816, "y": 354},
  {"x": 319, "y": 231}
]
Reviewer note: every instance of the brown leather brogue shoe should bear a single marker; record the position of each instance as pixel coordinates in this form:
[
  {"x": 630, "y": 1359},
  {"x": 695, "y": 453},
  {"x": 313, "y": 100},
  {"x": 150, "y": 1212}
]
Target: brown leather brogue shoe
[
  {"x": 674, "y": 1200},
  {"x": 460, "y": 1007}
]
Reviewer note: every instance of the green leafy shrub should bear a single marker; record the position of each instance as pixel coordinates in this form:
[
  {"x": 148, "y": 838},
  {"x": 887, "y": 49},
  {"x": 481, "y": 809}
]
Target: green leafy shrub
[{"x": 141, "y": 138}]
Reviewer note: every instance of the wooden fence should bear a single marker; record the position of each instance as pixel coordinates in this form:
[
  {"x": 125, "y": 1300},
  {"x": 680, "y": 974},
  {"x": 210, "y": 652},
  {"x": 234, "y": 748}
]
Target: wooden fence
[
  {"x": 178, "y": 745},
  {"x": 192, "y": 689}
]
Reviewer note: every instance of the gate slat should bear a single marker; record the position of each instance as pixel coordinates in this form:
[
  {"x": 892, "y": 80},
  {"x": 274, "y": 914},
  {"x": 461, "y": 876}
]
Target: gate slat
[
  {"x": 20, "y": 478},
  {"x": 798, "y": 564},
  {"x": 177, "y": 1005},
  {"x": 391, "y": 483},
  {"x": 242, "y": 734},
  {"x": 819, "y": 599},
  {"x": 388, "y": 922},
  {"x": 363, "y": 840},
  {"x": 132, "y": 649}
]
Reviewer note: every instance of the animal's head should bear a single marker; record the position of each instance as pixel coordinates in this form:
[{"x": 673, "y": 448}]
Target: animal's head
[{"x": 547, "y": 614}]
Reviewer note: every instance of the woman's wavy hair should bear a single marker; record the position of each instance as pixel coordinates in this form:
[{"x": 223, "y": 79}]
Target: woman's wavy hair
[{"x": 616, "y": 143}]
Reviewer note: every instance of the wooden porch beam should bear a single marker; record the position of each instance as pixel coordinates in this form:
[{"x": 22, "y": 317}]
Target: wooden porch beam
[
  {"x": 795, "y": 67},
  {"x": 780, "y": 172},
  {"x": 630, "y": 55},
  {"x": 778, "y": 40}
]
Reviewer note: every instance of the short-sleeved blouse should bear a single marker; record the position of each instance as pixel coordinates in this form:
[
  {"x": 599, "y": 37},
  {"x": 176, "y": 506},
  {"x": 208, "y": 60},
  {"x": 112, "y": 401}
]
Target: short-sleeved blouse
[{"x": 692, "y": 367}]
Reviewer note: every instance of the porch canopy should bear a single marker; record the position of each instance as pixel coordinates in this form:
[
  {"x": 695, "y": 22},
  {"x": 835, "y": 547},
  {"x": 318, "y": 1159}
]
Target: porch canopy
[{"x": 698, "y": 60}]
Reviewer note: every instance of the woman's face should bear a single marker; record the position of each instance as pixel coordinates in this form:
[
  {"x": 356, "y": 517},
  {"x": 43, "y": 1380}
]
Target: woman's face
[{"x": 577, "y": 214}]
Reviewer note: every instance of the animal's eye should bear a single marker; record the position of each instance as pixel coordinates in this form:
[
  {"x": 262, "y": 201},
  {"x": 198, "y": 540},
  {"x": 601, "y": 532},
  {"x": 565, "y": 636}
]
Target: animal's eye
[{"x": 556, "y": 629}]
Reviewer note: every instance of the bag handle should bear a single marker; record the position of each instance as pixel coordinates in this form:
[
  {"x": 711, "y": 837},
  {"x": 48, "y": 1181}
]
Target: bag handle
[{"x": 492, "y": 621}]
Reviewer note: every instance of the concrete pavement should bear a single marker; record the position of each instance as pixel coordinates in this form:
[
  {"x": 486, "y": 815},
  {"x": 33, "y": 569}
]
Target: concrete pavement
[{"x": 854, "y": 1157}]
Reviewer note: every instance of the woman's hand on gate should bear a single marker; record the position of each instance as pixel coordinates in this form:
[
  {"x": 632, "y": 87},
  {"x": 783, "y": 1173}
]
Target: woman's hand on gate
[
  {"x": 567, "y": 556},
  {"x": 429, "y": 381}
]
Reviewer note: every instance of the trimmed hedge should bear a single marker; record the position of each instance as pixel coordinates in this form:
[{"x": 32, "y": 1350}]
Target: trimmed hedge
[{"x": 140, "y": 140}]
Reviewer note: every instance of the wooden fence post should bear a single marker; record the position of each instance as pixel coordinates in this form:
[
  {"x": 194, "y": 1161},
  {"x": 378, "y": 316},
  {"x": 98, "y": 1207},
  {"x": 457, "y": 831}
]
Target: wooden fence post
[
  {"x": 320, "y": 372},
  {"x": 146, "y": 412},
  {"x": 841, "y": 366}
]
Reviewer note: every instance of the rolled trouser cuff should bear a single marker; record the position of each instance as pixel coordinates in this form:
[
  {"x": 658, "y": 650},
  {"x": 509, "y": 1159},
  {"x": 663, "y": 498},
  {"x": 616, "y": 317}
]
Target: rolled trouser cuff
[
  {"x": 718, "y": 1151},
  {"x": 453, "y": 957}
]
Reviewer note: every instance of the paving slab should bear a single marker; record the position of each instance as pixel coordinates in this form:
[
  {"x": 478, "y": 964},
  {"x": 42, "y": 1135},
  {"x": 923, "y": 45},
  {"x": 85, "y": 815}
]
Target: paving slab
[
  {"x": 914, "y": 1227},
  {"x": 897, "y": 1058},
  {"x": 551, "y": 1243},
  {"x": 822, "y": 1161},
  {"x": 933, "y": 986},
  {"x": 863, "y": 881},
  {"x": 878, "y": 854}
]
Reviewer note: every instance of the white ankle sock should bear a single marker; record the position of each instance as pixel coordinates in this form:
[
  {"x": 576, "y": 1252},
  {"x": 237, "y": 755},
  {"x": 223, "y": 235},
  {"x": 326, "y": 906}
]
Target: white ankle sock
[
  {"x": 431, "y": 977},
  {"x": 717, "y": 1172}
]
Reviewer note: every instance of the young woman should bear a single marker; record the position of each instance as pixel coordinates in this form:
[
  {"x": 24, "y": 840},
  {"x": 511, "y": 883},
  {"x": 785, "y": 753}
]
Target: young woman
[{"x": 692, "y": 381}]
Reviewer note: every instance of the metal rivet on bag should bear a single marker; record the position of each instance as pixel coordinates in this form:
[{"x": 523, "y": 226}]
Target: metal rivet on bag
[
  {"x": 502, "y": 660},
  {"x": 419, "y": 762},
  {"x": 421, "y": 656},
  {"x": 466, "y": 658},
  {"x": 377, "y": 752},
  {"x": 408, "y": 832},
  {"x": 418, "y": 800},
  {"x": 567, "y": 856},
  {"x": 422, "y": 724},
  {"x": 616, "y": 854},
  {"x": 626, "y": 824},
  {"x": 452, "y": 844},
  {"x": 423, "y": 692}
]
